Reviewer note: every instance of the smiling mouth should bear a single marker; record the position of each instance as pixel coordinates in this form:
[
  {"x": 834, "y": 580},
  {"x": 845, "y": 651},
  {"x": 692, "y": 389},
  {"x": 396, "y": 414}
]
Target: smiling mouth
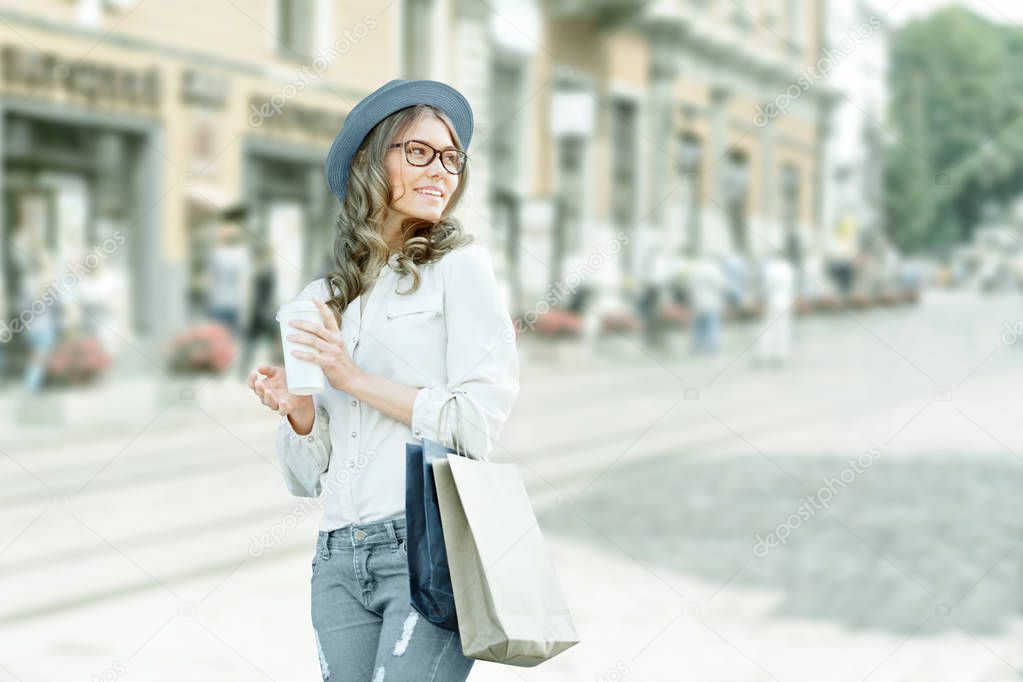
[{"x": 430, "y": 194}]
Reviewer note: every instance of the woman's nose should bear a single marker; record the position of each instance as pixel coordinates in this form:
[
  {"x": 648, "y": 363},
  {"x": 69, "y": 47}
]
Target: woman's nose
[{"x": 436, "y": 168}]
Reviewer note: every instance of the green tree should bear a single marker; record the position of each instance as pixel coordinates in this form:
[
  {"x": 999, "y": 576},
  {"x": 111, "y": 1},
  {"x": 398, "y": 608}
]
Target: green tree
[{"x": 957, "y": 143}]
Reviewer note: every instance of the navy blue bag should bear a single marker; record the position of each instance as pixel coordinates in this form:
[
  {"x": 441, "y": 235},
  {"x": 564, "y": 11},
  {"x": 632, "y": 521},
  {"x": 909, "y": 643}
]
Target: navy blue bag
[{"x": 429, "y": 578}]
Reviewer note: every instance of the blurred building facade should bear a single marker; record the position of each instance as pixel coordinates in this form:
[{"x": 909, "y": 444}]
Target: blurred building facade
[
  {"x": 148, "y": 120},
  {"x": 693, "y": 119},
  {"x": 698, "y": 120},
  {"x": 854, "y": 199}
]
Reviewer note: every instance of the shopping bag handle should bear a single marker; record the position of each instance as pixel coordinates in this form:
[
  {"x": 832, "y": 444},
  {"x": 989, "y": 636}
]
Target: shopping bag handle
[{"x": 479, "y": 411}]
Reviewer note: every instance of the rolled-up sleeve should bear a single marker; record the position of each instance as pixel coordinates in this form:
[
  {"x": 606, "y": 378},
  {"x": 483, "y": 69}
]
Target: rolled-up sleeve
[
  {"x": 482, "y": 359},
  {"x": 304, "y": 458}
]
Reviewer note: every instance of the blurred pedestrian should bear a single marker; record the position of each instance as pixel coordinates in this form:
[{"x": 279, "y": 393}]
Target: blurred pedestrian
[
  {"x": 650, "y": 266},
  {"x": 35, "y": 273},
  {"x": 707, "y": 286},
  {"x": 603, "y": 298},
  {"x": 679, "y": 267},
  {"x": 262, "y": 324},
  {"x": 779, "y": 287},
  {"x": 99, "y": 295},
  {"x": 228, "y": 263},
  {"x": 6, "y": 337},
  {"x": 581, "y": 296},
  {"x": 734, "y": 269}
]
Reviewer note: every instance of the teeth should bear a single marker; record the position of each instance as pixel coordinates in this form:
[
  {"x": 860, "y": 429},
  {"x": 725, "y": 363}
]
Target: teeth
[{"x": 430, "y": 192}]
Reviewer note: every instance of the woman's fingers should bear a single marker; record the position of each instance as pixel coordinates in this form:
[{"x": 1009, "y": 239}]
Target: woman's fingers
[
  {"x": 271, "y": 400},
  {"x": 317, "y": 331},
  {"x": 311, "y": 357},
  {"x": 270, "y": 385},
  {"x": 283, "y": 407},
  {"x": 311, "y": 328},
  {"x": 329, "y": 321},
  {"x": 309, "y": 340},
  {"x": 266, "y": 395},
  {"x": 259, "y": 374}
]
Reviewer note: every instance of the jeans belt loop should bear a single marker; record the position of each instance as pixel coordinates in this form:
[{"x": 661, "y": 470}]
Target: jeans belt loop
[
  {"x": 392, "y": 535},
  {"x": 324, "y": 546}
]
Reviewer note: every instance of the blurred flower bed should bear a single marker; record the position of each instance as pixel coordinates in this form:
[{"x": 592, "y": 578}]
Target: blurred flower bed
[
  {"x": 79, "y": 359},
  {"x": 563, "y": 323},
  {"x": 202, "y": 349}
]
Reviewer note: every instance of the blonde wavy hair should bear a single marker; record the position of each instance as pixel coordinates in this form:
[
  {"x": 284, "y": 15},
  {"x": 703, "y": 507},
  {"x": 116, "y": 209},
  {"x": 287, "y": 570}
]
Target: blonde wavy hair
[{"x": 360, "y": 251}]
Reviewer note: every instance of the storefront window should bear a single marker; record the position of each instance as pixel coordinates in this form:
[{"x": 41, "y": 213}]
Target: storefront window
[{"x": 70, "y": 197}]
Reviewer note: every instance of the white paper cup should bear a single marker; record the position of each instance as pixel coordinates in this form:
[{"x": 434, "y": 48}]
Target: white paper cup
[{"x": 304, "y": 377}]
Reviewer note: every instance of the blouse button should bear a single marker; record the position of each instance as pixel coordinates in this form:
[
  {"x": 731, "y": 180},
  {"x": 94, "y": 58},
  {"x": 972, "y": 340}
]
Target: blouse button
[
  {"x": 354, "y": 403},
  {"x": 354, "y": 434},
  {"x": 418, "y": 432},
  {"x": 309, "y": 438}
]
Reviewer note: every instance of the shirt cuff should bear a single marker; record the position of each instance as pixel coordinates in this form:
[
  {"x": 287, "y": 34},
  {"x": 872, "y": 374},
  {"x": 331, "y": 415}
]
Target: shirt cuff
[
  {"x": 305, "y": 458},
  {"x": 319, "y": 421},
  {"x": 471, "y": 434},
  {"x": 426, "y": 410}
]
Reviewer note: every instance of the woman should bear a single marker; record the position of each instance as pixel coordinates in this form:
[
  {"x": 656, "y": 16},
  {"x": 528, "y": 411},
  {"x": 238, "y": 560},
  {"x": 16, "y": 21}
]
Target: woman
[{"x": 413, "y": 321}]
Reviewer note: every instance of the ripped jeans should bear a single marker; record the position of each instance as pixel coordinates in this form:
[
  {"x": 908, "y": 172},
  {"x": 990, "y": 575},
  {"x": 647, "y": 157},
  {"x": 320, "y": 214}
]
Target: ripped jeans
[{"x": 366, "y": 630}]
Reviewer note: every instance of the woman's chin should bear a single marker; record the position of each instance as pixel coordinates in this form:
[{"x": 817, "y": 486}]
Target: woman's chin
[
  {"x": 429, "y": 212},
  {"x": 429, "y": 215}
]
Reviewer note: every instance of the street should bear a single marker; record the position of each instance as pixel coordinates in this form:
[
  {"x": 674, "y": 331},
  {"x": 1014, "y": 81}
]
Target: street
[{"x": 683, "y": 499}]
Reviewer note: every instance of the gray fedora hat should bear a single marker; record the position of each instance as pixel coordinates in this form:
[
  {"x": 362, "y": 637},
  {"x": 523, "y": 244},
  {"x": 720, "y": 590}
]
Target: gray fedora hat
[{"x": 381, "y": 103}]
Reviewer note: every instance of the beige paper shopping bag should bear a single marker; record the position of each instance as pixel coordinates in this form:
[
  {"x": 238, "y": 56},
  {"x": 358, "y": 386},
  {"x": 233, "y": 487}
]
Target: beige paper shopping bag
[{"x": 507, "y": 596}]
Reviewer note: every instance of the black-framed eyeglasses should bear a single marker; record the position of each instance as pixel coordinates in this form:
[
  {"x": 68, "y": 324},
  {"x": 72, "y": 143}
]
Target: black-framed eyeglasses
[{"x": 419, "y": 153}]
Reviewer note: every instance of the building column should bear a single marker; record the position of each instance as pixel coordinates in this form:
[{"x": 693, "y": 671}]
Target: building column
[
  {"x": 660, "y": 134},
  {"x": 664, "y": 71},
  {"x": 770, "y": 228},
  {"x": 716, "y": 235},
  {"x": 472, "y": 77},
  {"x": 818, "y": 184}
]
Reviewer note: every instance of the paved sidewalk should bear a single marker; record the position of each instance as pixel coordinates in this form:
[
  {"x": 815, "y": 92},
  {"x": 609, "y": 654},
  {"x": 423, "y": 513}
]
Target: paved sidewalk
[{"x": 127, "y": 539}]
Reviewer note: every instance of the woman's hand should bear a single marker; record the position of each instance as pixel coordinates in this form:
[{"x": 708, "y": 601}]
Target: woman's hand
[
  {"x": 271, "y": 385},
  {"x": 331, "y": 353}
]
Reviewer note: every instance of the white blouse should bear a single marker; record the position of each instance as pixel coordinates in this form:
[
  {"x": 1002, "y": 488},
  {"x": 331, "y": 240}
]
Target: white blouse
[{"x": 453, "y": 338}]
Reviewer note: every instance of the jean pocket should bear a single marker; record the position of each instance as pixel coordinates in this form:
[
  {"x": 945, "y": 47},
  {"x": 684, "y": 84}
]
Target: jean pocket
[{"x": 317, "y": 558}]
